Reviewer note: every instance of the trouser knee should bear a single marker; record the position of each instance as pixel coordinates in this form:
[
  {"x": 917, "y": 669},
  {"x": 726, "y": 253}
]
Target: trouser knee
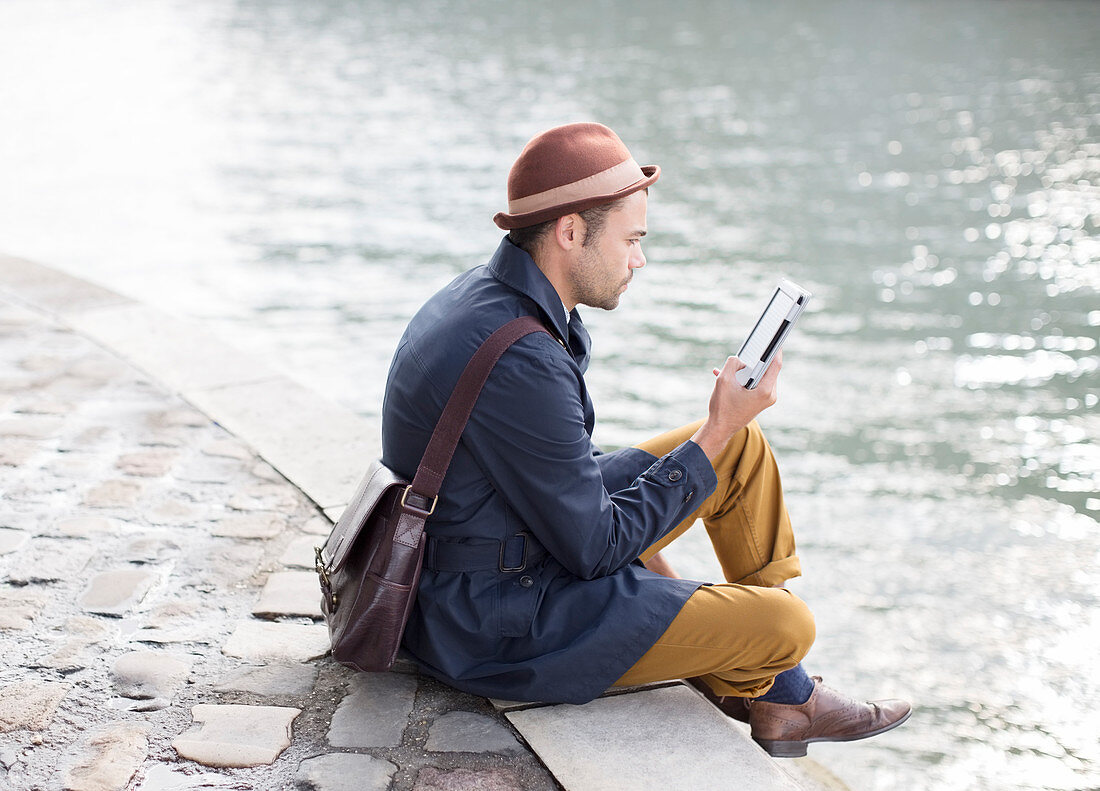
[{"x": 794, "y": 629}]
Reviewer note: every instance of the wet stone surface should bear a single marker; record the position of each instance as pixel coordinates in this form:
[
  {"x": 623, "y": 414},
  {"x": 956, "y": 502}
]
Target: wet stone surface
[
  {"x": 144, "y": 675},
  {"x": 30, "y": 705},
  {"x": 289, "y": 593},
  {"x": 346, "y": 772},
  {"x": 117, "y": 591},
  {"x": 431, "y": 779},
  {"x": 466, "y": 732},
  {"x": 375, "y": 712},
  {"x": 270, "y": 681},
  {"x": 139, "y": 544},
  {"x": 110, "y": 759},
  {"x": 232, "y": 735}
]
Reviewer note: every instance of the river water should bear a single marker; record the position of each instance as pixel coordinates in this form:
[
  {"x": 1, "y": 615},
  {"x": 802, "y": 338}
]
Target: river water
[{"x": 304, "y": 175}]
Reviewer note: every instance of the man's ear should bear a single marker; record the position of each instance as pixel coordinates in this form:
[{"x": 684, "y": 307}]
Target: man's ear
[{"x": 568, "y": 231}]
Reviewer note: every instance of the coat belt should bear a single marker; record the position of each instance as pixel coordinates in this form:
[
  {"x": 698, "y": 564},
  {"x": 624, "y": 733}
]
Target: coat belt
[{"x": 512, "y": 555}]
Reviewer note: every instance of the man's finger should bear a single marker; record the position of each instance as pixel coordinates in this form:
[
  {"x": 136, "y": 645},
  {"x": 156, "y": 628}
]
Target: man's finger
[
  {"x": 772, "y": 374},
  {"x": 733, "y": 365}
]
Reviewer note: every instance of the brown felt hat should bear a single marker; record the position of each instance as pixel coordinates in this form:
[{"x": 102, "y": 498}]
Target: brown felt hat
[{"x": 569, "y": 169}]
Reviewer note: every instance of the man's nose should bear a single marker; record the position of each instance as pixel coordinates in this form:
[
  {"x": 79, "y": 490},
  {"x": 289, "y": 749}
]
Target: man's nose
[{"x": 637, "y": 261}]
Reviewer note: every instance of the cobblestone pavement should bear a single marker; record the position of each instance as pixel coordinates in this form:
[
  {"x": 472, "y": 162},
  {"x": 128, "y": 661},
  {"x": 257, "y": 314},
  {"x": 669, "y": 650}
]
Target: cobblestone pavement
[{"x": 158, "y": 611}]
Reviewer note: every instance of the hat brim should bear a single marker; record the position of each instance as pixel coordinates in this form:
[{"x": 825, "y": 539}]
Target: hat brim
[{"x": 509, "y": 221}]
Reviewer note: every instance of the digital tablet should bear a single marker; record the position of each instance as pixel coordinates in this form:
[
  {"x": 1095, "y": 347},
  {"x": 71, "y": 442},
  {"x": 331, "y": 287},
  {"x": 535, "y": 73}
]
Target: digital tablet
[{"x": 770, "y": 331}]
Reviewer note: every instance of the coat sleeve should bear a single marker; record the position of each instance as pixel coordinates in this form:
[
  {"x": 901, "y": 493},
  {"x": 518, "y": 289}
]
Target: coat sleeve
[{"x": 527, "y": 433}]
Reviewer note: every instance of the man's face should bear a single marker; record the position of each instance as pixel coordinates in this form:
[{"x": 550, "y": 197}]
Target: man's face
[{"x": 605, "y": 265}]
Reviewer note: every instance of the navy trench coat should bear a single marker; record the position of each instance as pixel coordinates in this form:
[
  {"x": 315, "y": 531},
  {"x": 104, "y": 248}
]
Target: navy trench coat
[{"x": 582, "y": 609}]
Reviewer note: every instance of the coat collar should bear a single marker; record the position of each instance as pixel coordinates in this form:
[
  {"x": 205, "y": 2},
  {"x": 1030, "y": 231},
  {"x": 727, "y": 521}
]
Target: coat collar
[{"x": 514, "y": 267}]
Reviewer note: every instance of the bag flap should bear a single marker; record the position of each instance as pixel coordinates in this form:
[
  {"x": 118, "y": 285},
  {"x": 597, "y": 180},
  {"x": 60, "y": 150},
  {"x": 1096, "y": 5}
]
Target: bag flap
[{"x": 378, "y": 480}]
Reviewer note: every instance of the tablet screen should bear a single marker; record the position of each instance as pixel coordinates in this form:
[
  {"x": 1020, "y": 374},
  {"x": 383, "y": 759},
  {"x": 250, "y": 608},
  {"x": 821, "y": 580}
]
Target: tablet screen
[
  {"x": 765, "y": 336},
  {"x": 771, "y": 329}
]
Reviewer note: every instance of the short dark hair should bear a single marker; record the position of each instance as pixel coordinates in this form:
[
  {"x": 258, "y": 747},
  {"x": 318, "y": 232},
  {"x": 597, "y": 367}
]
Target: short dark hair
[{"x": 529, "y": 238}]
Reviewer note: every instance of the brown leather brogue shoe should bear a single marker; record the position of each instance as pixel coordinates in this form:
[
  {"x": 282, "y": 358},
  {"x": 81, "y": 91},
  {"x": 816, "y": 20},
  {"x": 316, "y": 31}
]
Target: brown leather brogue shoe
[
  {"x": 828, "y": 716},
  {"x": 730, "y": 705}
]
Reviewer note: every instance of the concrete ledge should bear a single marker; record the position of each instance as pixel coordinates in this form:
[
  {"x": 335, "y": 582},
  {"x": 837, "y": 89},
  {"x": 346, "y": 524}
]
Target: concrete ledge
[
  {"x": 669, "y": 738},
  {"x": 180, "y": 353},
  {"x": 53, "y": 291}
]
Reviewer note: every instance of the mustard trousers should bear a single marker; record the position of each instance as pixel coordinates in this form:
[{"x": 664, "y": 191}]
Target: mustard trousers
[{"x": 740, "y": 634}]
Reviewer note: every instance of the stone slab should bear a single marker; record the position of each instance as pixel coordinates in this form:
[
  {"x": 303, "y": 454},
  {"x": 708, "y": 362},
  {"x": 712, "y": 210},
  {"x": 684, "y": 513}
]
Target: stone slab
[
  {"x": 147, "y": 463},
  {"x": 316, "y": 444},
  {"x": 232, "y": 735},
  {"x": 175, "y": 513},
  {"x": 228, "y": 449},
  {"x": 29, "y": 705},
  {"x": 265, "y": 471},
  {"x": 70, "y": 656},
  {"x": 346, "y": 772},
  {"x": 116, "y": 592},
  {"x": 88, "y": 526},
  {"x": 52, "y": 290},
  {"x": 258, "y": 525},
  {"x": 278, "y": 497},
  {"x": 668, "y": 738},
  {"x": 320, "y": 525},
  {"x": 257, "y": 641},
  {"x": 12, "y": 540},
  {"x": 200, "y": 633},
  {"x": 375, "y": 711},
  {"x": 432, "y": 779},
  {"x": 177, "y": 417},
  {"x": 16, "y": 452},
  {"x": 31, "y": 427},
  {"x": 49, "y": 560},
  {"x": 179, "y": 352},
  {"x": 299, "y": 552},
  {"x": 290, "y": 593},
  {"x": 270, "y": 681},
  {"x": 19, "y": 607},
  {"x": 111, "y": 758},
  {"x": 164, "y": 777},
  {"x": 144, "y": 675},
  {"x": 113, "y": 494},
  {"x": 470, "y": 732}
]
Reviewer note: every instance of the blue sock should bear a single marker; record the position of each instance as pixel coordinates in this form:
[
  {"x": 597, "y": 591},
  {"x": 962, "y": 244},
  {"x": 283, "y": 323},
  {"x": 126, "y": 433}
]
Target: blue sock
[{"x": 791, "y": 686}]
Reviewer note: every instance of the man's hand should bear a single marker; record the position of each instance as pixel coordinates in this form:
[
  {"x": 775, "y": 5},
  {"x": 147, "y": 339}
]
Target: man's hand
[{"x": 732, "y": 407}]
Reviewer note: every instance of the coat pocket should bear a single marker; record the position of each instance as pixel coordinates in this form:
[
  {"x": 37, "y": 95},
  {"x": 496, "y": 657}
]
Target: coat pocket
[{"x": 518, "y": 598}]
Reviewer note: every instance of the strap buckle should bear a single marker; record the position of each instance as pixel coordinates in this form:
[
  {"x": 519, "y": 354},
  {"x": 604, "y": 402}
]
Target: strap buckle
[
  {"x": 426, "y": 511},
  {"x": 326, "y": 581},
  {"x": 504, "y": 546}
]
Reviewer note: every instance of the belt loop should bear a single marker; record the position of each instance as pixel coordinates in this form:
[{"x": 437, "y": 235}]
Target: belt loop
[{"x": 501, "y": 564}]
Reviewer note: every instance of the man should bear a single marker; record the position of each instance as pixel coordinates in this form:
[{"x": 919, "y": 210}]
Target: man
[{"x": 535, "y": 583}]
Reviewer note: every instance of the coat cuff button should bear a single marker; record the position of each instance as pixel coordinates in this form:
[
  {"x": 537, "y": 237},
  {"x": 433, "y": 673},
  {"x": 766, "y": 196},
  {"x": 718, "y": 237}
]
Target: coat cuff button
[{"x": 526, "y": 581}]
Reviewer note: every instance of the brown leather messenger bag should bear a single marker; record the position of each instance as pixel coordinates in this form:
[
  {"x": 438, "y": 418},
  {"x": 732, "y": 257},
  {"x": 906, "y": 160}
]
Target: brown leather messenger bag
[{"x": 370, "y": 564}]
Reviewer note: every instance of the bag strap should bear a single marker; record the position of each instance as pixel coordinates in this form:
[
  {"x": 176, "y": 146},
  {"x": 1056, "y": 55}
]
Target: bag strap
[{"x": 444, "y": 441}]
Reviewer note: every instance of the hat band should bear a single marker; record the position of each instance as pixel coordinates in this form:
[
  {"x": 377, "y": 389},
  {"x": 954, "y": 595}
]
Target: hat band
[{"x": 606, "y": 182}]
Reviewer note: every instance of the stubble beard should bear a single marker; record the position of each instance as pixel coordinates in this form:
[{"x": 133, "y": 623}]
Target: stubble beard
[{"x": 590, "y": 289}]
